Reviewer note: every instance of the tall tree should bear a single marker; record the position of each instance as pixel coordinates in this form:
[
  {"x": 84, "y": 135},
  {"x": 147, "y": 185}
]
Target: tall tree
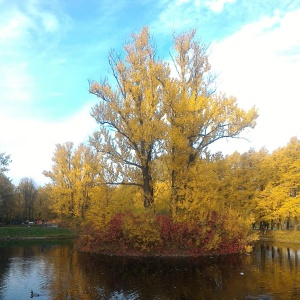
[
  {"x": 130, "y": 115},
  {"x": 197, "y": 116},
  {"x": 151, "y": 111}
]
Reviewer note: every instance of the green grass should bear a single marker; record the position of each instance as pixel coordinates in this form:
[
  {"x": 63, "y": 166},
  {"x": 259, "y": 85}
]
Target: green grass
[{"x": 25, "y": 232}]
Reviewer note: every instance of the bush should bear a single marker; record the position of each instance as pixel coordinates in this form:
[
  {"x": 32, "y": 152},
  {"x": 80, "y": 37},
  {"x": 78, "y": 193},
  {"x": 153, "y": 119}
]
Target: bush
[
  {"x": 144, "y": 232},
  {"x": 141, "y": 231}
]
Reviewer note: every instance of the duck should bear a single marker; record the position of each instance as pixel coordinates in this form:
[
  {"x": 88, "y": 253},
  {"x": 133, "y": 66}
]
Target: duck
[{"x": 34, "y": 294}]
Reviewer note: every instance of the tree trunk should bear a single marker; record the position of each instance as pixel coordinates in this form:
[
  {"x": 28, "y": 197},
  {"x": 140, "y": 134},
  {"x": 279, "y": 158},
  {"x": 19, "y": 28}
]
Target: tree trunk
[
  {"x": 295, "y": 223},
  {"x": 173, "y": 194},
  {"x": 147, "y": 187},
  {"x": 288, "y": 224}
]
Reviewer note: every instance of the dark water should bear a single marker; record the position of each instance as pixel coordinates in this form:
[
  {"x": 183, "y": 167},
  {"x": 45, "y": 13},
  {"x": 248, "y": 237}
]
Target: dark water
[{"x": 56, "y": 270}]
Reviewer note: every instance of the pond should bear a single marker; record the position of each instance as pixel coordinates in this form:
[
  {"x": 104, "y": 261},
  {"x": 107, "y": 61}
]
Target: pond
[{"x": 55, "y": 270}]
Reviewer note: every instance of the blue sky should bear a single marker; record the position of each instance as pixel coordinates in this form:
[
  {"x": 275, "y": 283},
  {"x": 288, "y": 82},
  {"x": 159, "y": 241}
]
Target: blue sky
[{"x": 50, "y": 48}]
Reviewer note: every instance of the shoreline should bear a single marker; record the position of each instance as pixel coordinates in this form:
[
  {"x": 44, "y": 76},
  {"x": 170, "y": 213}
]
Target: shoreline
[
  {"x": 20, "y": 238},
  {"x": 39, "y": 233},
  {"x": 280, "y": 236}
]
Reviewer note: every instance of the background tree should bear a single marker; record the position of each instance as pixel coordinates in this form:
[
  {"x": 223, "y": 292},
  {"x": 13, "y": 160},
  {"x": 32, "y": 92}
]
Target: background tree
[
  {"x": 7, "y": 205},
  {"x": 75, "y": 174},
  {"x": 278, "y": 200},
  {"x": 42, "y": 206},
  {"x": 4, "y": 162},
  {"x": 6, "y": 191},
  {"x": 28, "y": 192},
  {"x": 244, "y": 179}
]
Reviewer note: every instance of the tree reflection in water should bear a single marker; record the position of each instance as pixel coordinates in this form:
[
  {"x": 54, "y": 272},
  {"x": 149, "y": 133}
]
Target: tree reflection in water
[{"x": 60, "y": 272}]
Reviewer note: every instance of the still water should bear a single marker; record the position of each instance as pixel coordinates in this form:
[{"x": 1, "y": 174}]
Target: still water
[{"x": 55, "y": 270}]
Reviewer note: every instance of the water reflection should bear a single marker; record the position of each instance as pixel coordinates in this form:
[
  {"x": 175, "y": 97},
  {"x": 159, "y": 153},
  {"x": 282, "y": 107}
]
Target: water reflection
[{"x": 58, "y": 271}]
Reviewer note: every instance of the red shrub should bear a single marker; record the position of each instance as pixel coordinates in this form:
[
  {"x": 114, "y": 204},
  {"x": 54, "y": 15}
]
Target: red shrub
[{"x": 173, "y": 238}]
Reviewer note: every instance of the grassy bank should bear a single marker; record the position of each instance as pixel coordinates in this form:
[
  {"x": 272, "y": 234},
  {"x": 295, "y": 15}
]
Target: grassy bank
[
  {"x": 281, "y": 236},
  {"x": 34, "y": 232}
]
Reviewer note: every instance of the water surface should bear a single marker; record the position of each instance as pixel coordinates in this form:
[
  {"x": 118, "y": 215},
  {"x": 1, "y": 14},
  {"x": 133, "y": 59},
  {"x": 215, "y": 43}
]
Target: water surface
[{"x": 56, "y": 270}]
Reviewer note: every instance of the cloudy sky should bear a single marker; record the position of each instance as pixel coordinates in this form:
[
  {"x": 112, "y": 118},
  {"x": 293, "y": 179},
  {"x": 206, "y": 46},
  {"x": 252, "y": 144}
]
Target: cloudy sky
[{"x": 50, "y": 48}]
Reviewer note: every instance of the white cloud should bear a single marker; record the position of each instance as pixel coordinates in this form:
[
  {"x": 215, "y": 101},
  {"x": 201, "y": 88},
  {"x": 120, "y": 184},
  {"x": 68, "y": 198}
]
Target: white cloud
[
  {"x": 25, "y": 31},
  {"x": 176, "y": 15},
  {"x": 49, "y": 21},
  {"x": 16, "y": 87},
  {"x": 13, "y": 25},
  {"x": 18, "y": 25},
  {"x": 31, "y": 143},
  {"x": 260, "y": 65},
  {"x": 18, "y": 50},
  {"x": 217, "y": 5}
]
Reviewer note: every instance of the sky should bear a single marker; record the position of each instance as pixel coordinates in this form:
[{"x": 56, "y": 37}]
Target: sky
[{"x": 49, "y": 49}]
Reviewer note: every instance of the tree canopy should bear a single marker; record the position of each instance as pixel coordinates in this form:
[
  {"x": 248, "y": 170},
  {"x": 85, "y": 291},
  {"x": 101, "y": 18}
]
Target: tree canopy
[
  {"x": 147, "y": 179},
  {"x": 148, "y": 112}
]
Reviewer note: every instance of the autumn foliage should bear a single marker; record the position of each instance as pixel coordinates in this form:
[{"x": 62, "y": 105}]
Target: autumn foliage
[
  {"x": 147, "y": 182},
  {"x": 149, "y": 234}
]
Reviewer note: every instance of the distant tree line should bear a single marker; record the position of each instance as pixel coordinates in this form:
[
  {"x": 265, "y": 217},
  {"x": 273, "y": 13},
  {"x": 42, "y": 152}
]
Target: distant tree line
[{"x": 24, "y": 202}]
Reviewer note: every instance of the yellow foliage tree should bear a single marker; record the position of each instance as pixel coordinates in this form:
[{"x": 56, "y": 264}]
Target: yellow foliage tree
[
  {"x": 155, "y": 131},
  {"x": 151, "y": 112},
  {"x": 131, "y": 116},
  {"x": 75, "y": 175},
  {"x": 244, "y": 179},
  {"x": 196, "y": 116},
  {"x": 109, "y": 201},
  {"x": 279, "y": 200}
]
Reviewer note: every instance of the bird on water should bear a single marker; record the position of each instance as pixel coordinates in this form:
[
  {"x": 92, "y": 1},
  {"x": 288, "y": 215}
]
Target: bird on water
[{"x": 34, "y": 294}]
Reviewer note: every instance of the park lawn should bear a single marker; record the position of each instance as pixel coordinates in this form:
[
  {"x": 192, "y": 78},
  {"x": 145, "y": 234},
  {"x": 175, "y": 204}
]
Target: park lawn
[
  {"x": 281, "y": 236},
  {"x": 26, "y": 232}
]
